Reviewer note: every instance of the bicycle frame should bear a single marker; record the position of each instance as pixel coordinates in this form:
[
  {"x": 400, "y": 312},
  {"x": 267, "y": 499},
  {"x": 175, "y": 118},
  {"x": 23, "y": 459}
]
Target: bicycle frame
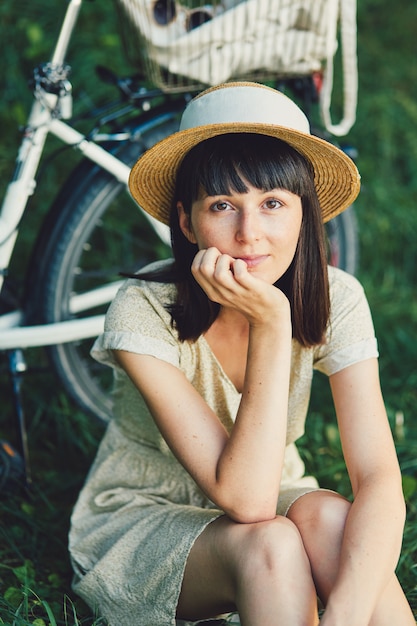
[{"x": 47, "y": 115}]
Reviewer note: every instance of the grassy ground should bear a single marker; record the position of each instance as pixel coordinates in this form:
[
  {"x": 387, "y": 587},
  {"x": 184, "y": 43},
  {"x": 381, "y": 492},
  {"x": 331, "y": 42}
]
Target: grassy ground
[{"x": 34, "y": 569}]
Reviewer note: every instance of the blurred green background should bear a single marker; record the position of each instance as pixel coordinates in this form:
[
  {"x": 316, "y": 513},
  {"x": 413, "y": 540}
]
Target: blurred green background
[{"x": 34, "y": 569}]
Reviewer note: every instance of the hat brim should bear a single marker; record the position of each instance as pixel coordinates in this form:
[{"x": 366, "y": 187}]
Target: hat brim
[{"x": 152, "y": 178}]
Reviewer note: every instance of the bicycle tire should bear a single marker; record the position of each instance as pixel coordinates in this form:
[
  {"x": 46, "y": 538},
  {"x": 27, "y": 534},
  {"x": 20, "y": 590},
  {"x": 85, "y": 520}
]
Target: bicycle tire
[
  {"x": 90, "y": 214},
  {"x": 343, "y": 240},
  {"x": 93, "y": 231}
]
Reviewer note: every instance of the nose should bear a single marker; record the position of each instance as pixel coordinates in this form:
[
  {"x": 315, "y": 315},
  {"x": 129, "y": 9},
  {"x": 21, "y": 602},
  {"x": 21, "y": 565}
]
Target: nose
[{"x": 249, "y": 226}]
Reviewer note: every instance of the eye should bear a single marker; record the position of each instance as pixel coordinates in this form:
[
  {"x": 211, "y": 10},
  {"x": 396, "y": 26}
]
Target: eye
[
  {"x": 220, "y": 206},
  {"x": 272, "y": 203}
]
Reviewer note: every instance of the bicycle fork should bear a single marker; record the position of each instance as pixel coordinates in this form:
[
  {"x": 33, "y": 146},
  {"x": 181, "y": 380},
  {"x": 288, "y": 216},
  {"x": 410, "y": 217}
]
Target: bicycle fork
[{"x": 17, "y": 368}]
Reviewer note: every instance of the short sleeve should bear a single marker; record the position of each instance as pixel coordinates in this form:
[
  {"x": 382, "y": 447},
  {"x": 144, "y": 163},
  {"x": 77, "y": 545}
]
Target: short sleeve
[
  {"x": 138, "y": 321},
  {"x": 350, "y": 336}
]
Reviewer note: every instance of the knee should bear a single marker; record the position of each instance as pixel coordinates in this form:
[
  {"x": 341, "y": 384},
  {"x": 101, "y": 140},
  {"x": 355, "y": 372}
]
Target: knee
[
  {"x": 320, "y": 514},
  {"x": 272, "y": 547}
]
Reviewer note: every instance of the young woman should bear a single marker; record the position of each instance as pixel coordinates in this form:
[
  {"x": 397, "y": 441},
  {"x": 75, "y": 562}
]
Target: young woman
[{"x": 197, "y": 504}]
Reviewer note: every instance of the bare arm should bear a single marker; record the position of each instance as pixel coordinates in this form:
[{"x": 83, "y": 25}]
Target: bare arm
[
  {"x": 373, "y": 533},
  {"x": 241, "y": 473}
]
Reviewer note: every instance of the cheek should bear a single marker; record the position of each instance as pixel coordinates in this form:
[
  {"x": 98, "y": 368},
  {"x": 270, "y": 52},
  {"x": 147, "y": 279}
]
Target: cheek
[
  {"x": 287, "y": 233},
  {"x": 295, "y": 228},
  {"x": 297, "y": 233},
  {"x": 207, "y": 235}
]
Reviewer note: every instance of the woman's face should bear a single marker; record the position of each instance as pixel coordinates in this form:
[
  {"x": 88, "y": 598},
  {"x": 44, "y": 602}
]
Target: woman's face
[{"x": 260, "y": 227}]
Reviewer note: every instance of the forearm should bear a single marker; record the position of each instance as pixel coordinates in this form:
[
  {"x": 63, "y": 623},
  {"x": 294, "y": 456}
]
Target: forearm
[
  {"x": 370, "y": 551},
  {"x": 239, "y": 471},
  {"x": 249, "y": 469}
]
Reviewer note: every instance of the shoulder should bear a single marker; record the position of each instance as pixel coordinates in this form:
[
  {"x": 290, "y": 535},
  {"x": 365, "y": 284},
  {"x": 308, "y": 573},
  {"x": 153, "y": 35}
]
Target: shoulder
[
  {"x": 139, "y": 301},
  {"x": 350, "y": 336},
  {"x": 160, "y": 285},
  {"x": 341, "y": 282},
  {"x": 347, "y": 296},
  {"x": 139, "y": 321}
]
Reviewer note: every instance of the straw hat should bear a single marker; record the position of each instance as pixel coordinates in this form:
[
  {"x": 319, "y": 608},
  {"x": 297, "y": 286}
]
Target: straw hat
[{"x": 242, "y": 107}]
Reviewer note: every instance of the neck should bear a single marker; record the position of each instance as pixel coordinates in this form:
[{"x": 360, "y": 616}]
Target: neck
[{"x": 229, "y": 318}]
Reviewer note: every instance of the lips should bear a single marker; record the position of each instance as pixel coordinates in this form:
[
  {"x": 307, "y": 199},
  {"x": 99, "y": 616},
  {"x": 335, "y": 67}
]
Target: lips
[{"x": 254, "y": 260}]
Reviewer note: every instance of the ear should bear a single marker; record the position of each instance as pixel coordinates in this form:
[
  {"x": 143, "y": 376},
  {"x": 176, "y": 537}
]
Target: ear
[{"x": 185, "y": 223}]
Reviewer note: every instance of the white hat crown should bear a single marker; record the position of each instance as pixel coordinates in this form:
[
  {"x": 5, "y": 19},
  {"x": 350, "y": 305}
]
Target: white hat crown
[{"x": 244, "y": 104}]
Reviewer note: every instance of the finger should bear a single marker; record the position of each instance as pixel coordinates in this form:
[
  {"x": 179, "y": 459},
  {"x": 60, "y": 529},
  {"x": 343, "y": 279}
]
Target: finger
[
  {"x": 224, "y": 267},
  {"x": 203, "y": 268},
  {"x": 240, "y": 269},
  {"x": 204, "y": 259},
  {"x": 211, "y": 264}
]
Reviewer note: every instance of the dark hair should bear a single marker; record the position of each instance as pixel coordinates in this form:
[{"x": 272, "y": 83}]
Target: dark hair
[{"x": 223, "y": 164}]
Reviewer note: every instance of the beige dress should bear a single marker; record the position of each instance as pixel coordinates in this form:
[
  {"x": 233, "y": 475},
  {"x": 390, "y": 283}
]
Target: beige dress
[{"x": 140, "y": 512}]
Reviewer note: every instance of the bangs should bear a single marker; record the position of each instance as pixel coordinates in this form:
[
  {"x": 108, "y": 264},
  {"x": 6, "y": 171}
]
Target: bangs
[{"x": 225, "y": 164}]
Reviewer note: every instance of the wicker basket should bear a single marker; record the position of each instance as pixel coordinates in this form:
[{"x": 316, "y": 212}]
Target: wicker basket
[{"x": 187, "y": 45}]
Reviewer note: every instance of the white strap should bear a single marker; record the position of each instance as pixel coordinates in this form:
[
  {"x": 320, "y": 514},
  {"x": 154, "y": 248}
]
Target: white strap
[{"x": 347, "y": 15}]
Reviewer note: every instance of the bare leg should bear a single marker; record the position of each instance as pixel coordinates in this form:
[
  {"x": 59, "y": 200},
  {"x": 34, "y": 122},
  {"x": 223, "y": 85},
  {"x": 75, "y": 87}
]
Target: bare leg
[
  {"x": 259, "y": 569},
  {"x": 320, "y": 517},
  {"x": 393, "y": 608}
]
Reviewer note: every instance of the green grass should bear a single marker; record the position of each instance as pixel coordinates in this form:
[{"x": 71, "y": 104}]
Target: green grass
[{"x": 35, "y": 573}]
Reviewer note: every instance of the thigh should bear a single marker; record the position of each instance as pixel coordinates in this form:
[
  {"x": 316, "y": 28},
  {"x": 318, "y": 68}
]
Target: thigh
[{"x": 207, "y": 587}]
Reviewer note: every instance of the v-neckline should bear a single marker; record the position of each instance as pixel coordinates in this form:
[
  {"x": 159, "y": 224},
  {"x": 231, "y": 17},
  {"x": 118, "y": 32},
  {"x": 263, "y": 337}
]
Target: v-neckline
[{"x": 204, "y": 341}]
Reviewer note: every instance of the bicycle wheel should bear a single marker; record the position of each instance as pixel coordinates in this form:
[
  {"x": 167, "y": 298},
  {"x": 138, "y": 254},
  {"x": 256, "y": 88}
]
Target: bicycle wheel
[
  {"x": 342, "y": 236},
  {"x": 94, "y": 231}
]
